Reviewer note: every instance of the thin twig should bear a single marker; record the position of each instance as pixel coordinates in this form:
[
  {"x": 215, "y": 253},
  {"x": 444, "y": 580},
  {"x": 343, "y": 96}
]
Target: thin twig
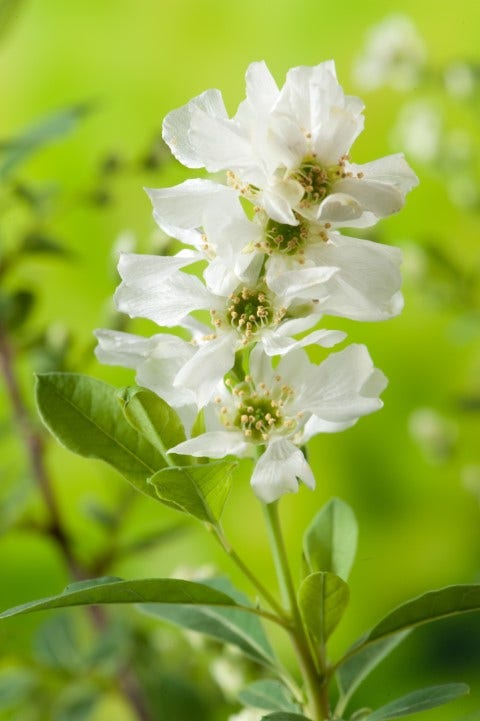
[{"x": 34, "y": 445}]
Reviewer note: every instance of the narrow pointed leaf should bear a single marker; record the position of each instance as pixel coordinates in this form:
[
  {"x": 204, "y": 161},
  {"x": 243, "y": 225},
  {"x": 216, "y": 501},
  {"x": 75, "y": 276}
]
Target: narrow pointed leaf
[
  {"x": 269, "y": 695},
  {"x": 151, "y": 416},
  {"x": 85, "y": 416},
  {"x": 145, "y": 590},
  {"x": 330, "y": 542},
  {"x": 200, "y": 490},
  {"x": 357, "y": 668},
  {"x": 230, "y": 625},
  {"x": 431, "y": 606},
  {"x": 47, "y": 130},
  {"x": 323, "y": 598},
  {"x": 421, "y": 700}
]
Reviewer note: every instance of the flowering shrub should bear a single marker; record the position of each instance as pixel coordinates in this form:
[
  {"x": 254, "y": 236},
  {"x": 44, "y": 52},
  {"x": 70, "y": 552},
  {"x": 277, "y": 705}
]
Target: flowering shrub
[{"x": 264, "y": 261}]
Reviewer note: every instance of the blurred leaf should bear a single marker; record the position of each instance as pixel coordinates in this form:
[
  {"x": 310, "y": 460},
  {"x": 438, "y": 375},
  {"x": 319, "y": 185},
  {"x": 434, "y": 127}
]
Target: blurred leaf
[
  {"x": 330, "y": 542},
  {"x": 78, "y": 705},
  {"x": 53, "y": 127},
  {"x": 357, "y": 668},
  {"x": 431, "y": 606},
  {"x": 37, "y": 243},
  {"x": 85, "y": 416},
  {"x": 323, "y": 598},
  {"x": 269, "y": 695},
  {"x": 233, "y": 626},
  {"x": 57, "y": 644},
  {"x": 200, "y": 491},
  {"x": 420, "y": 700},
  {"x": 112, "y": 648},
  {"x": 152, "y": 417},
  {"x": 281, "y": 716},
  {"x": 144, "y": 590},
  {"x": 9, "y": 12},
  {"x": 15, "y": 308},
  {"x": 16, "y": 685}
]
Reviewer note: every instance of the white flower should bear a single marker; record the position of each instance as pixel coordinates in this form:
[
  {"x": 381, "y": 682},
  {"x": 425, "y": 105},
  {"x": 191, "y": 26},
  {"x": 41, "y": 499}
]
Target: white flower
[
  {"x": 287, "y": 149},
  {"x": 345, "y": 276},
  {"x": 156, "y": 361},
  {"x": 394, "y": 55},
  {"x": 280, "y": 409},
  {"x": 250, "y": 314}
]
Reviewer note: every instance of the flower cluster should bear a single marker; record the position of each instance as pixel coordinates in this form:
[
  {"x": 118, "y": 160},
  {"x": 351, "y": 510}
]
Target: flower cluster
[{"x": 273, "y": 262}]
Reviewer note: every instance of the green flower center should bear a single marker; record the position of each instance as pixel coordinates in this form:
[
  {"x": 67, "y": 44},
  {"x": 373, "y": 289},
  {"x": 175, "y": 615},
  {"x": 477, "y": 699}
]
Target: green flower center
[
  {"x": 317, "y": 180},
  {"x": 284, "y": 238},
  {"x": 258, "y": 411},
  {"x": 248, "y": 311}
]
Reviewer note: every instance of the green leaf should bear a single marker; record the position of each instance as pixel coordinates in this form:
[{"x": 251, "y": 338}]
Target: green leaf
[
  {"x": 200, "y": 491},
  {"x": 323, "y": 598},
  {"x": 281, "y": 716},
  {"x": 357, "y": 668},
  {"x": 269, "y": 695},
  {"x": 16, "y": 686},
  {"x": 330, "y": 542},
  {"x": 50, "y": 128},
  {"x": 229, "y": 625},
  {"x": 431, "y": 606},
  {"x": 420, "y": 700},
  {"x": 85, "y": 416},
  {"x": 111, "y": 590},
  {"x": 152, "y": 417}
]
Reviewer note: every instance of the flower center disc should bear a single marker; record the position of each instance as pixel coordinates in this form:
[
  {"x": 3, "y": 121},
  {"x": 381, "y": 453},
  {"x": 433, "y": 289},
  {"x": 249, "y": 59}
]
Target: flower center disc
[
  {"x": 249, "y": 310},
  {"x": 257, "y": 416},
  {"x": 317, "y": 180},
  {"x": 284, "y": 238}
]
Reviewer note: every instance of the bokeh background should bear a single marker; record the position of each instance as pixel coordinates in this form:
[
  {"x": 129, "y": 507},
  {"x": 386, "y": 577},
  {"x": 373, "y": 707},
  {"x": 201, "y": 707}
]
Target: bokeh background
[{"x": 411, "y": 472}]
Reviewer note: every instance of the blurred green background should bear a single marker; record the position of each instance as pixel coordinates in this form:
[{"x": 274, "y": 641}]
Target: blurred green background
[{"x": 412, "y": 471}]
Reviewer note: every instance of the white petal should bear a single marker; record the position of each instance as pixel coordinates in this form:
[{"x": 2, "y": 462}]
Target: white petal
[
  {"x": 205, "y": 370},
  {"x": 185, "y": 204},
  {"x": 123, "y": 349},
  {"x": 344, "y": 387},
  {"x": 277, "y": 470},
  {"x": 215, "y": 444},
  {"x": 367, "y": 285},
  {"x": 262, "y": 90},
  {"x": 174, "y": 298},
  {"x": 392, "y": 170},
  {"x": 149, "y": 271},
  {"x": 223, "y": 142},
  {"x": 177, "y": 124},
  {"x": 379, "y": 198},
  {"x": 339, "y": 208},
  {"x": 305, "y": 283},
  {"x": 316, "y": 425},
  {"x": 275, "y": 344}
]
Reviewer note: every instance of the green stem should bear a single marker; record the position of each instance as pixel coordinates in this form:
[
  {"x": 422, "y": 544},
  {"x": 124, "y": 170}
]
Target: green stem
[
  {"x": 271, "y": 600},
  {"x": 316, "y": 688}
]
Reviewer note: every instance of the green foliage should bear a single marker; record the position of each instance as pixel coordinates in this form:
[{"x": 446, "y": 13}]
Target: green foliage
[
  {"x": 152, "y": 417},
  {"x": 351, "y": 674},
  {"x": 145, "y": 590},
  {"x": 15, "y": 151},
  {"x": 281, "y": 716},
  {"x": 85, "y": 416},
  {"x": 323, "y": 598},
  {"x": 420, "y": 700},
  {"x": 269, "y": 695},
  {"x": 330, "y": 542},
  {"x": 228, "y": 625},
  {"x": 16, "y": 686},
  {"x": 200, "y": 490},
  {"x": 431, "y": 606}
]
